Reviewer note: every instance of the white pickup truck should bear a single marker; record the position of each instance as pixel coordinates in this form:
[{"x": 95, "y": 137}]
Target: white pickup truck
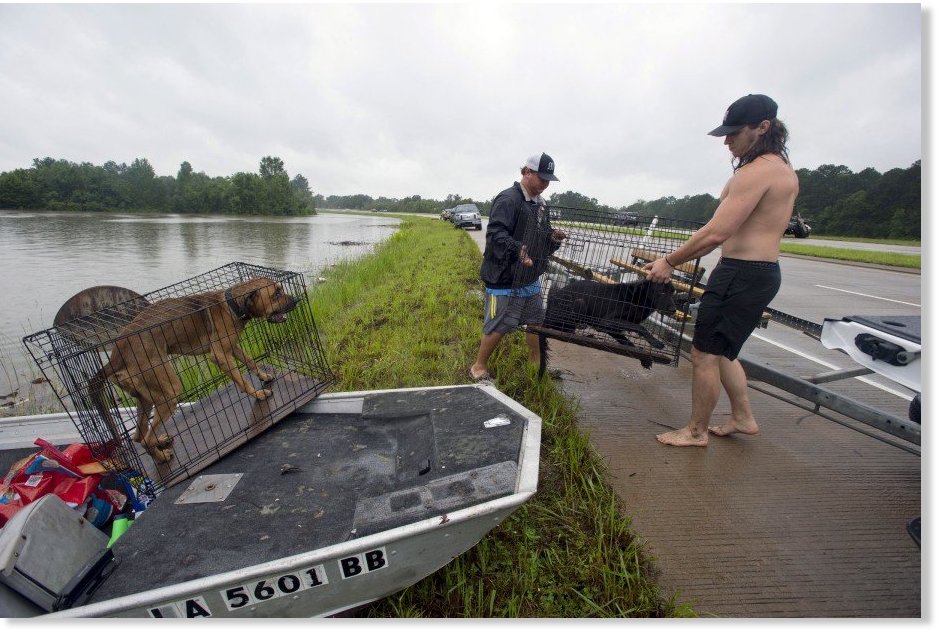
[{"x": 467, "y": 216}]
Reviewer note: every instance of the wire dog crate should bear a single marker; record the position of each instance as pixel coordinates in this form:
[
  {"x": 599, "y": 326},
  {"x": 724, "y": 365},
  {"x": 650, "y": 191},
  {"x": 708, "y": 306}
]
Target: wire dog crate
[
  {"x": 593, "y": 288},
  {"x": 179, "y": 352}
]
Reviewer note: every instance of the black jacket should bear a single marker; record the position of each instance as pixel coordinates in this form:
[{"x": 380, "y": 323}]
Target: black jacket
[{"x": 513, "y": 222}]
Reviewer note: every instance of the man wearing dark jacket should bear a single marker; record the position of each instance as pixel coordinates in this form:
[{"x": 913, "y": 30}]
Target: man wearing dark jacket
[{"x": 518, "y": 243}]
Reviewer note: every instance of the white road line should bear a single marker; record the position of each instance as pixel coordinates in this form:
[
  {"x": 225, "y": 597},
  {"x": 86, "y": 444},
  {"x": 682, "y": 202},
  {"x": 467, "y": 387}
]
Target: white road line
[
  {"x": 870, "y": 296},
  {"x": 832, "y": 366}
]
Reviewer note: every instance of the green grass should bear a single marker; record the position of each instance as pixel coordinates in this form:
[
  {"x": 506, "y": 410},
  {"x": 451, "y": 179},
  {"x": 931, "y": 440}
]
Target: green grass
[
  {"x": 854, "y": 255},
  {"x": 868, "y": 240},
  {"x": 410, "y": 315}
]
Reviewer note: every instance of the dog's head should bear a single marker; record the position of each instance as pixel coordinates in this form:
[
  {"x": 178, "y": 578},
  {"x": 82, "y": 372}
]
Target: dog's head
[
  {"x": 661, "y": 297},
  {"x": 264, "y": 298}
]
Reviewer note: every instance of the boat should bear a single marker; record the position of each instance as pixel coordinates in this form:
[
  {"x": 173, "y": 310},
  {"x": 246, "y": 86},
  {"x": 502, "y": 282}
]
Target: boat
[
  {"x": 888, "y": 345},
  {"x": 350, "y": 498}
]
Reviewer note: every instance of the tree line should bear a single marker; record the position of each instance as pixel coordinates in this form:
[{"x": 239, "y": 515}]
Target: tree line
[
  {"x": 61, "y": 185},
  {"x": 833, "y": 199}
]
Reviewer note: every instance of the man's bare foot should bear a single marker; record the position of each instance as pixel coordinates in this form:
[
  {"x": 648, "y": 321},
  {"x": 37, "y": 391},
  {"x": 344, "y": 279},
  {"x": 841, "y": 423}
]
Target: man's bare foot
[
  {"x": 682, "y": 437},
  {"x": 479, "y": 374},
  {"x": 747, "y": 427}
]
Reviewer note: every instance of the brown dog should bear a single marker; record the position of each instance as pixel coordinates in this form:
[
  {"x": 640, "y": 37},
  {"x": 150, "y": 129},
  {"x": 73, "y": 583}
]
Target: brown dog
[{"x": 206, "y": 323}]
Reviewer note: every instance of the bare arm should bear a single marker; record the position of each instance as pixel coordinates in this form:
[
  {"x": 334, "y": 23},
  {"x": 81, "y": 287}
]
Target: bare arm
[{"x": 737, "y": 202}]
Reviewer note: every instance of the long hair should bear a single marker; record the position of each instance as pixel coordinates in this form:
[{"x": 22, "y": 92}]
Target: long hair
[{"x": 772, "y": 142}]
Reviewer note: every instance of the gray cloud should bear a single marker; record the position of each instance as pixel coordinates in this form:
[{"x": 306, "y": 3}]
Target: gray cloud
[{"x": 433, "y": 99}]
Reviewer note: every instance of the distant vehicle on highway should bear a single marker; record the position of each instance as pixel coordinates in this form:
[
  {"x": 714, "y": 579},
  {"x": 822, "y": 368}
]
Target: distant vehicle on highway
[
  {"x": 626, "y": 218},
  {"x": 467, "y": 216},
  {"x": 798, "y": 226}
]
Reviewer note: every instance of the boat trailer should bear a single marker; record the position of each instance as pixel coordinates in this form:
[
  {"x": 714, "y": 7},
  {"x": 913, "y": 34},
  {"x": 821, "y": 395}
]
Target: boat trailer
[{"x": 904, "y": 352}]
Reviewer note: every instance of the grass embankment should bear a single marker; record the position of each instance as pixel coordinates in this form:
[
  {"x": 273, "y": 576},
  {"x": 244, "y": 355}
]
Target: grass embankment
[
  {"x": 410, "y": 315},
  {"x": 854, "y": 255},
  {"x": 868, "y": 240}
]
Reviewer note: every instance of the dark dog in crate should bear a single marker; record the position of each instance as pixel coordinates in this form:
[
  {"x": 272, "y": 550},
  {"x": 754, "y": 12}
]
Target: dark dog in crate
[
  {"x": 610, "y": 308},
  {"x": 205, "y": 323}
]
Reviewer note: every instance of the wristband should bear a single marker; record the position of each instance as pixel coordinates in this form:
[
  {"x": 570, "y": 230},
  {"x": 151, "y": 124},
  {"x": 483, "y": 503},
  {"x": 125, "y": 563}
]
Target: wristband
[{"x": 667, "y": 262}]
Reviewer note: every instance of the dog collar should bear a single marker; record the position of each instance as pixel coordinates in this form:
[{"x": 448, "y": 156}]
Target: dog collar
[{"x": 238, "y": 311}]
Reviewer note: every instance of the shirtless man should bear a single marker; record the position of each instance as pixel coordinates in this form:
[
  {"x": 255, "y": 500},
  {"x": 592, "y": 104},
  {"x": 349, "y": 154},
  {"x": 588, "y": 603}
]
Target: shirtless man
[{"x": 755, "y": 207}]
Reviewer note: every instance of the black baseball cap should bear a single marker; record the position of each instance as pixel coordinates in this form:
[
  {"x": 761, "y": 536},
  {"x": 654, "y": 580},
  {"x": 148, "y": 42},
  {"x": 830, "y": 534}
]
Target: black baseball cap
[
  {"x": 543, "y": 165},
  {"x": 744, "y": 111}
]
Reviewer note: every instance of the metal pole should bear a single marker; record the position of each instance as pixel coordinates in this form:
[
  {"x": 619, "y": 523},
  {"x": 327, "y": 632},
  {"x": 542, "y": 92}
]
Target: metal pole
[
  {"x": 904, "y": 429},
  {"x": 886, "y": 422}
]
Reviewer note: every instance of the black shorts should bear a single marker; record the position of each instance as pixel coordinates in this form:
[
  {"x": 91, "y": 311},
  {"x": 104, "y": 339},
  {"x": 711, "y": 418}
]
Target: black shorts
[{"x": 738, "y": 291}]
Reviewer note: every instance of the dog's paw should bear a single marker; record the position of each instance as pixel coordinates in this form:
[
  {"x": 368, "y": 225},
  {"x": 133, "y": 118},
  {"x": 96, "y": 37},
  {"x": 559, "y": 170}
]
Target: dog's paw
[
  {"x": 264, "y": 376},
  {"x": 161, "y": 455},
  {"x": 262, "y": 394},
  {"x": 164, "y": 441}
]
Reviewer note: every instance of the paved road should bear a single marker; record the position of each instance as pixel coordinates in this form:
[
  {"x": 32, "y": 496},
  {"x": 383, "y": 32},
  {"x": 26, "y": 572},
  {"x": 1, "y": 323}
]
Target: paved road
[{"x": 806, "y": 519}]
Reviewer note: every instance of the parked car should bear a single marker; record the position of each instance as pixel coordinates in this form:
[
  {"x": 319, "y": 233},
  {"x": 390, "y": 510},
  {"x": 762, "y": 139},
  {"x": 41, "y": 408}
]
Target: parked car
[
  {"x": 798, "y": 226},
  {"x": 467, "y": 216},
  {"x": 627, "y": 218}
]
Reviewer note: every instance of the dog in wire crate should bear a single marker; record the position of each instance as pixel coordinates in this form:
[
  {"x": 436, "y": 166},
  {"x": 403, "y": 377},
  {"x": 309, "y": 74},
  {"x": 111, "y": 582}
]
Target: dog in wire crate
[
  {"x": 616, "y": 309},
  {"x": 207, "y": 323}
]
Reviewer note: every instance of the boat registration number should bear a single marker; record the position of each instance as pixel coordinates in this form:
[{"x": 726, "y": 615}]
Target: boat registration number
[
  {"x": 288, "y": 584},
  {"x": 273, "y": 588}
]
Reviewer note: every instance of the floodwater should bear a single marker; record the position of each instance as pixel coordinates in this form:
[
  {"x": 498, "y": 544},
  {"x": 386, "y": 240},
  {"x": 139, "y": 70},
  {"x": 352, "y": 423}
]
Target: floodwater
[{"x": 46, "y": 257}]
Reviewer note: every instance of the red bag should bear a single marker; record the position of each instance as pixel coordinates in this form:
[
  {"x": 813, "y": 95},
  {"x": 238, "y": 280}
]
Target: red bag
[
  {"x": 75, "y": 492},
  {"x": 50, "y": 471},
  {"x": 7, "y": 510},
  {"x": 31, "y": 487},
  {"x": 78, "y": 454}
]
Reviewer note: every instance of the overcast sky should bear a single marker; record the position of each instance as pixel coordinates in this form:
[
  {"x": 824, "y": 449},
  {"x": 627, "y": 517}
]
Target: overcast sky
[{"x": 434, "y": 99}]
